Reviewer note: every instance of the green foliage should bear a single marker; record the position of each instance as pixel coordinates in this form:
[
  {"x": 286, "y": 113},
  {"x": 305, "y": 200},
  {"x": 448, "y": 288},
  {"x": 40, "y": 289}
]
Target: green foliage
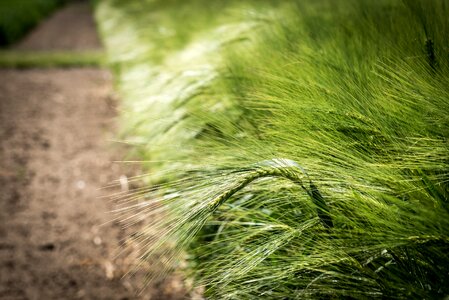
[
  {"x": 18, "y": 16},
  {"x": 170, "y": 70},
  {"x": 301, "y": 149},
  {"x": 27, "y": 60}
]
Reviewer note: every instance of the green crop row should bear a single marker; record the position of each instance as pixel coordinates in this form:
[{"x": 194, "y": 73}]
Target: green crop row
[{"x": 295, "y": 149}]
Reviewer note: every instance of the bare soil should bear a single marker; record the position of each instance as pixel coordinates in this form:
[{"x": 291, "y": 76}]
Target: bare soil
[
  {"x": 70, "y": 28},
  {"x": 56, "y": 155}
]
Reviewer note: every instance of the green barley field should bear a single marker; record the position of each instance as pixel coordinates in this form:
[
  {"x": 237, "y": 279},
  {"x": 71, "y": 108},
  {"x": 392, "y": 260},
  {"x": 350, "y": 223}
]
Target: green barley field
[{"x": 295, "y": 149}]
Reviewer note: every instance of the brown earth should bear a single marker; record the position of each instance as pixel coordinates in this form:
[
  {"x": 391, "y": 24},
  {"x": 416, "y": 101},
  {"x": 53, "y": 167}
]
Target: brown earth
[
  {"x": 70, "y": 28},
  {"x": 55, "y": 157}
]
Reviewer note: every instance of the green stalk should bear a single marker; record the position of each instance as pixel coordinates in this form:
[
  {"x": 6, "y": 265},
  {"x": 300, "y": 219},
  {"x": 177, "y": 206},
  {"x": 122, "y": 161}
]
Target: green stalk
[{"x": 287, "y": 169}]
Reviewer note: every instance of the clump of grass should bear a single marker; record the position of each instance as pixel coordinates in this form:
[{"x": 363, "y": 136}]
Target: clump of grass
[{"x": 352, "y": 90}]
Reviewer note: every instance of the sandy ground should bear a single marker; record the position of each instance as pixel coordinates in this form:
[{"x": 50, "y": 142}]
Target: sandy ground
[{"x": 55, "y": 156}]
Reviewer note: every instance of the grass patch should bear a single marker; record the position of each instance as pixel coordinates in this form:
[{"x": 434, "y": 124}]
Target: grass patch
[{"x": 33, "y": 59}]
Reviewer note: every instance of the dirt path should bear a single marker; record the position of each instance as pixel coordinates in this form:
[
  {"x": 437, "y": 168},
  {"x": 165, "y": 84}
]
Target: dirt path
[
  {"x": 71, "y": 28},
  {"x": 54, "y": 159}
]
